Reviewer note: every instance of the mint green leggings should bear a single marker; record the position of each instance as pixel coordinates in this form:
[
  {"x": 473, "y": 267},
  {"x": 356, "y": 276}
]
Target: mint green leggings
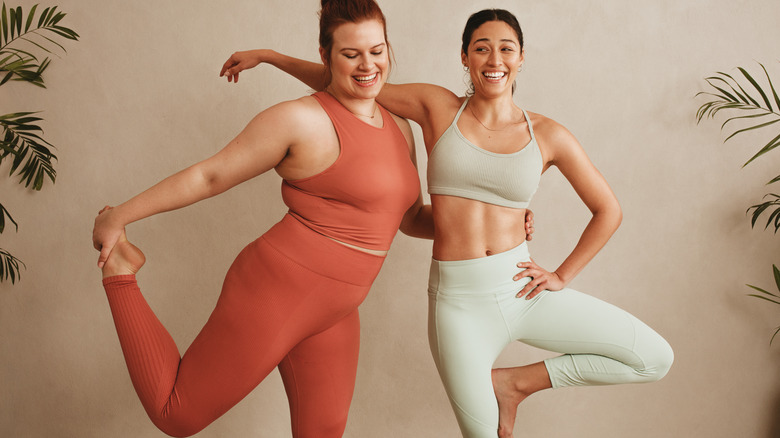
[{"x": 474, "y": 314}]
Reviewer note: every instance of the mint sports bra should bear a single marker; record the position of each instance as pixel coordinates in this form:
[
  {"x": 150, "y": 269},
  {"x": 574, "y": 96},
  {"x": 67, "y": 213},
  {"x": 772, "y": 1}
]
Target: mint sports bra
[{"x": 458, "y": 167}]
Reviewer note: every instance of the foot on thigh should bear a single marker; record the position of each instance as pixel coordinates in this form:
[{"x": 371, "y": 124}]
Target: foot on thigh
[{"x": 125, "y": 259}]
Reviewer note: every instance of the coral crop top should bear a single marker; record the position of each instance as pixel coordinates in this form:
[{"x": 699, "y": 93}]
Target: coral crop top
[
  {"x": 361, "y": 198},
  {"x": 458, "y": 167}
]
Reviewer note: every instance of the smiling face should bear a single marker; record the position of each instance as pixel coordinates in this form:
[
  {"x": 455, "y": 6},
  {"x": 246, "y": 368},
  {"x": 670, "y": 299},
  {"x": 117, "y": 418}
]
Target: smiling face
[
  {"x": 494, "y": 55},
  {"x": 359, "y": 61}
]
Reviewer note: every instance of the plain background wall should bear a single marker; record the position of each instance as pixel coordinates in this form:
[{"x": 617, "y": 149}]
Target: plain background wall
[{"x": 138, "y": 98}]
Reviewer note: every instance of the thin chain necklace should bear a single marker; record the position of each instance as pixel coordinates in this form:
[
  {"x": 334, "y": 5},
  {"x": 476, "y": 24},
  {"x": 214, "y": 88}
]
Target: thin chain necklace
[
  {"x": 371, "y": 116},
  {"x": 483, "y": 125},
  {"x": 373, "y": 113}
]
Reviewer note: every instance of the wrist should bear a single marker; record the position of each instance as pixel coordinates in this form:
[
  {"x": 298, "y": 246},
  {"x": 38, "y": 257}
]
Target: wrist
[
  {"x": 562, "y": 277},
  {"x": 267, "y": 56}
]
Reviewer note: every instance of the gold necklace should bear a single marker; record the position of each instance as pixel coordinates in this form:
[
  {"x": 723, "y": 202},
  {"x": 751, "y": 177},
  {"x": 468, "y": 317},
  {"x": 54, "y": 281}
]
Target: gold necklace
[
  {"x": 373, "y": 113},
  {"x": 371, "y": 116},
  {"x": 483, "y": 125}
]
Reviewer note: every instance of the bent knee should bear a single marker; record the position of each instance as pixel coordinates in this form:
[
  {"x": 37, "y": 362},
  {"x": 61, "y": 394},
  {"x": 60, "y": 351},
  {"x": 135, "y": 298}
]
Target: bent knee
[
  {"x": 179, "y": 428},
  {"x": 658, "y": 364}
]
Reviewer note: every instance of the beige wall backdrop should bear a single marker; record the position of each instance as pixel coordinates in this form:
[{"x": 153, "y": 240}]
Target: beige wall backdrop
[{"x": 138, "y": 98}]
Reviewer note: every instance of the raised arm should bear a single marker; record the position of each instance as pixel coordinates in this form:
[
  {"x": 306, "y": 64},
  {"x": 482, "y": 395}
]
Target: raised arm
[
  {"x": 561, "y": 149},
  {"x": 417, "y": 102},
  {"x": 259, "y": 147},
  {"x": 313, "y": 74}
]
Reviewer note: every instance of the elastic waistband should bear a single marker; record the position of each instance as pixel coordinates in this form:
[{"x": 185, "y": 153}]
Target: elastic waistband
[
  {"x": 484, "y": 275},
  {"x": 321, "y": 254}
]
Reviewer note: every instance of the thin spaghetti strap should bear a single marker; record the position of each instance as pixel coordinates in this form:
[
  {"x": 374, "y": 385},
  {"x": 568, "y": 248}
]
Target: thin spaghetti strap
[
  {"x": 530, "y": 126},
  {"x": 460, "y": 110}
]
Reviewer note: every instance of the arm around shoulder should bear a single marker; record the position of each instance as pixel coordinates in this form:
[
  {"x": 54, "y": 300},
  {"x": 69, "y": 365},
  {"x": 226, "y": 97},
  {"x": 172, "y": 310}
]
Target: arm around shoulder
[
  {"x": 418, "y": 219},
  {"x": 313, "y": 74},
  {"x": 416, "y": 102}
]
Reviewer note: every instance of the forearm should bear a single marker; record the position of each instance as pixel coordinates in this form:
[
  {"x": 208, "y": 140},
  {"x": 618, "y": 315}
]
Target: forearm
[
  {"x": 599, "y": 230},
  {"x": 179, "y": 190},
  {"x": 419, "y": 223},
  {"x": 312, "y": 74}
]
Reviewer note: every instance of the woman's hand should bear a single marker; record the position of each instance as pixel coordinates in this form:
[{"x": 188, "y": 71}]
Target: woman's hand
[
  {"x": 105, "y": 234},
  {"x": 241, "y": 61},
  {"x": 529, "y": 224},
  {"x": 540, "y": 280}
]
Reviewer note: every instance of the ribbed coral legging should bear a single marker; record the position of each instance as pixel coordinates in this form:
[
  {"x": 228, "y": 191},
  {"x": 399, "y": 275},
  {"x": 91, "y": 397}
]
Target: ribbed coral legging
[{"x": 289, "y": 300}]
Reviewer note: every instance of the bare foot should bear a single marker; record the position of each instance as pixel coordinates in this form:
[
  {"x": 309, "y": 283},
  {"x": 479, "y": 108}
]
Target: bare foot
[
  {"x": 125, "y": 259},
  {"x": 508, "y": 397},
  {"x": 512, "y": 386}
]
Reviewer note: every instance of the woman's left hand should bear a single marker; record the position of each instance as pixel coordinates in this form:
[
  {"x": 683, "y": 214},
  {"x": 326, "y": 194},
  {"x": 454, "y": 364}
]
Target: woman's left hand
[
  {"x": 239, "y": 62},
  {"x": 540, "y": 280}
]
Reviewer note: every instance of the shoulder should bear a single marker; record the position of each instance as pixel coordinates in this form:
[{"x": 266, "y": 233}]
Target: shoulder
[
  {"x": 548, "y": 130},
  {"x": 298, "y": 110},
  {"x": 300, "y": 116},
  {"x": 555, "y": 141},
  {"x": 405, "y": 127}
]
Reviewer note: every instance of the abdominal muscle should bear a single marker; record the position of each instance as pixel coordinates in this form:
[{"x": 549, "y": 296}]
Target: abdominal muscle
[{"x": 468, "y": 229}]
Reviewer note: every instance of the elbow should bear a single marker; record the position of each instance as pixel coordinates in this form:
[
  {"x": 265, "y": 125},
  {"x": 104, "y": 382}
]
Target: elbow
[
  {"x": 206, "y": 183},
  {"x": 618, "y": 215},
  {"x": 408, "y": 227},
  {"x": 418, "y": 222},
  {"x": 609, "y": 213}
]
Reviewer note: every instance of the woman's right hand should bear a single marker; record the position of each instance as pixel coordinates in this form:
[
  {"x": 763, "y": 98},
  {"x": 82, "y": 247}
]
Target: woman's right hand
[
  {"x": 241, "y": 61},
  {"x": 105, "y": 234}
]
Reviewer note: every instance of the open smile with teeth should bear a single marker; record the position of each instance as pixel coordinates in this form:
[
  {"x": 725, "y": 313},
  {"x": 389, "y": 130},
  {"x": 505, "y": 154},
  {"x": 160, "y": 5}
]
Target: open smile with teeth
[
  {"x": 366, "y": 80},
  {"x": 494, "y": 75}
]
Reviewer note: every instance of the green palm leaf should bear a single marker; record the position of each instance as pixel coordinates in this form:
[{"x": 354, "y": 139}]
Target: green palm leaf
[
  {"x": 769, "y": 296},
  {"x": 767, "y": 206},
  {"x": 30, "y": 155},
  {"x": 22, "y": 144},
  {"x": 15, "y": 29},
  {"x": 9, "y": 266},
  {"x": 3, "y": 214},
  {"x": 731, "y": 95}
]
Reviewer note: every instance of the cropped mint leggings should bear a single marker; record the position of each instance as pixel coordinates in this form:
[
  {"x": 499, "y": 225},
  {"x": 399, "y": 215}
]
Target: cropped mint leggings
[{"x": 474, "y": 315}]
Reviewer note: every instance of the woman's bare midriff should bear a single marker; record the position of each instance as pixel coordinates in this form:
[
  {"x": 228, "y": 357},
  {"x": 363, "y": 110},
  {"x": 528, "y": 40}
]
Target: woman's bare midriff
[
  {"x": 359, "y": 248},
  {"x": 468, "y": 229}
]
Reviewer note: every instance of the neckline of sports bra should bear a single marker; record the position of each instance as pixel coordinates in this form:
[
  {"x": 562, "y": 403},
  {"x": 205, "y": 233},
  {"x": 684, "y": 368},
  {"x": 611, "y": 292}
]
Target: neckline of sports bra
[
  {"x": 496, "y": 154},
  {"x": 460, "y": 134},
  {"x": 385, "y": 114}
]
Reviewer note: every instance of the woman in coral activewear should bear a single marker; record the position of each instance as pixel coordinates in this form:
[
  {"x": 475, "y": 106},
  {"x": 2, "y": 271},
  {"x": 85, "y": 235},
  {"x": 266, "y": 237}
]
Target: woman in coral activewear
[
  {"x": 290, "y": 299},
  {"x": 486, "y": 157}
]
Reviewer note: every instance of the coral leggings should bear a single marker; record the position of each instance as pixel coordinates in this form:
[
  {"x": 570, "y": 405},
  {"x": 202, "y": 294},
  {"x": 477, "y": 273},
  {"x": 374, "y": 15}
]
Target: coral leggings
[{"x": 290, "y": 300}]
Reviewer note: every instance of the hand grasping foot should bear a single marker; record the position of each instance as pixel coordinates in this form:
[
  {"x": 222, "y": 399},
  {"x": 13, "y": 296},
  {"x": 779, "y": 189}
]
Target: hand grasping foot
[{"x": 125, "y": 259}]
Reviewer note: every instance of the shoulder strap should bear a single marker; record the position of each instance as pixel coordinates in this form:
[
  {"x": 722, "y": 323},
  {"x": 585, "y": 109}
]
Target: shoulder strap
[
  {"x": 530, "y": 127},
  {"x": 460, "y": 110}
]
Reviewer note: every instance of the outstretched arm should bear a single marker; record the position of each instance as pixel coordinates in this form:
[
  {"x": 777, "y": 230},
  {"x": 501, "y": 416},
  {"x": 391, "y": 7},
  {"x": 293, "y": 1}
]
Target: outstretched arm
[
  {"x": 259, "y": 147},
  {"x": 410, "y": 101},
  {"x": 563, "y": 150},
  {"x": 313, "y": 74}
]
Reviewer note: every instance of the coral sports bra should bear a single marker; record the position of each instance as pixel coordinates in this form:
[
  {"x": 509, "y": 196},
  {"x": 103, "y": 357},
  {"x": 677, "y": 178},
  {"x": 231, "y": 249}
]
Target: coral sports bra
[{"x": 458, "y": 167}]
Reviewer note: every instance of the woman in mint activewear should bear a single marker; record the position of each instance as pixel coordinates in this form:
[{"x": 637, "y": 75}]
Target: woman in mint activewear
[
  {"x": 485, "y": 159},
  {"x": 474, "y": 310}
]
